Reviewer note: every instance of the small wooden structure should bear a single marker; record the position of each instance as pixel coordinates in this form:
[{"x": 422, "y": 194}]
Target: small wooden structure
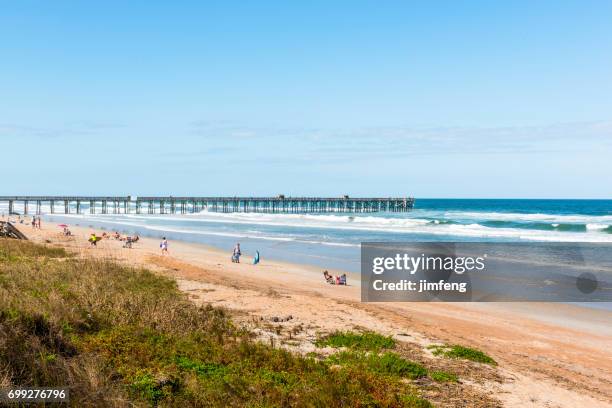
[{"x": 8, "y": 230}]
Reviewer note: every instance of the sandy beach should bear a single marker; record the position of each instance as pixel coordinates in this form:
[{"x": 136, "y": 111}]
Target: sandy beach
[{"x": 550, "y": 355}]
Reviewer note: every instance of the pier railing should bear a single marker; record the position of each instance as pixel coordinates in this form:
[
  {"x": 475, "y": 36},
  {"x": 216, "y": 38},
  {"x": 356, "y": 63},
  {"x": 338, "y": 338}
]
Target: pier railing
[{"x": 184, "y": 205}]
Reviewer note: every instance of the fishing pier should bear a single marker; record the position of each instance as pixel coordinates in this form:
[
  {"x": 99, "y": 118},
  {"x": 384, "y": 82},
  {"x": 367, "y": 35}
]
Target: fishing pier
[{"x": 185, "y": 205}]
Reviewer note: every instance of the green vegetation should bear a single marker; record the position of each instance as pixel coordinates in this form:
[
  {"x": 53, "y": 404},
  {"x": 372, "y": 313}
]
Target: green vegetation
[
  {"x": 14, "y": 251},
  {"x": 369, "y": 341},
  {"x": 443, "y": 376},
  {"x": 121, "y": 336},
  {"x": 387, "y": 363},
  {"x": 466, "y": 353},
  {"x": 412, "y": 401}
]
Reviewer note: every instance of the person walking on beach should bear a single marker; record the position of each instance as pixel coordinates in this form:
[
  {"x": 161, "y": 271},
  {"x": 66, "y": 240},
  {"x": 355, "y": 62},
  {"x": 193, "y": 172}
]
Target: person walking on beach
[
  {"x": 236, "y": 254},
  {"x": 164, "y": 246},
  {"x": 93, "y": 239},
  {"x": 33, "y": 222}
]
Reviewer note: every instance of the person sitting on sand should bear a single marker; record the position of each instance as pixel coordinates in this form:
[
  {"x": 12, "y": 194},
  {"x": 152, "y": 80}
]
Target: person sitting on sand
[
  {"x": 130, "y": 240},
  {"x": 116, "y": 235},
  {"x": 335, "y": 280},
  {"x": 328, "y": 278}
]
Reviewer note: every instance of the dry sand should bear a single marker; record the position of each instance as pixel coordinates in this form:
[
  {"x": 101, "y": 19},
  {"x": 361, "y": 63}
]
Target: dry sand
[{"x": 550, "y": 355}]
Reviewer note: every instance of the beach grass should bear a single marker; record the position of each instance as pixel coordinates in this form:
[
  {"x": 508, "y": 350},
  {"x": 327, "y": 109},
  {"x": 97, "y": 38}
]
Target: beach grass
[
  {"x": 443, "y": 376},
  {"x": 387, "y": 363},
  {"x": 123, "y": 336},
  {"x": 367, "y": 341},
  {"x": 14, "y": 250},
  {"x": 461, "y": 352}
]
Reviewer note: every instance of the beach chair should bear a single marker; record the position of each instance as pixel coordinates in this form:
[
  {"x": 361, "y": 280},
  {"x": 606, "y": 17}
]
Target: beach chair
[{"x": 128, "y": 242}]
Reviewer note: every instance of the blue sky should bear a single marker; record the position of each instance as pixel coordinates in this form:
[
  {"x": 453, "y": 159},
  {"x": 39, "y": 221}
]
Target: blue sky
[{"x": 431, "y": 99}]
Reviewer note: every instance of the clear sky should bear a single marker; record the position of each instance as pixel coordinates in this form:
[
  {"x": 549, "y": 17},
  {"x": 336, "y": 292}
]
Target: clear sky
[{"x": 431, "y": 99}]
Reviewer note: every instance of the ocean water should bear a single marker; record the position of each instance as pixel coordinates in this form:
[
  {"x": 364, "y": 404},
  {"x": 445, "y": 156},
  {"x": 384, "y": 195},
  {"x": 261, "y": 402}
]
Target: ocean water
[{"x": 333, "y": 240}]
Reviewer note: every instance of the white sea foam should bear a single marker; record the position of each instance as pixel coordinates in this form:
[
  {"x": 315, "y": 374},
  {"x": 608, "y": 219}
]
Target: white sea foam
[
  {"x": 597, "y": 226},
  {"x": 250, "y": 235},
  {"x": 398, "y": 226},
  {"x": 552, "y": 218}
]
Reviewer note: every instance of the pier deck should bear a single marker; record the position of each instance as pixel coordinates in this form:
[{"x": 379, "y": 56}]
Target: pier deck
[{"x": 184, "y": 205}]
